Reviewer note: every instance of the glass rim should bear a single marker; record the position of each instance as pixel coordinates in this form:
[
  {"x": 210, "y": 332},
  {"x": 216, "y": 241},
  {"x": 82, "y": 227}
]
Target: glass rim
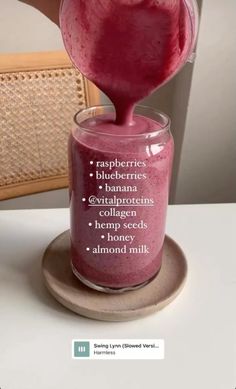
[{"x": 160, "y": 131}]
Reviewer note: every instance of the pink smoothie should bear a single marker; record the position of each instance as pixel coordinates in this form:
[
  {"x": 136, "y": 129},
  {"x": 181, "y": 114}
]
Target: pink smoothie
[
  {"x": 147, "y": 168},
  {"x": 127, "y": 48}
]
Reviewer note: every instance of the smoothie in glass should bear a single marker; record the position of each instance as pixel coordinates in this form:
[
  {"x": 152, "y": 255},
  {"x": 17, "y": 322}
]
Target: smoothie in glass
[
  {"x": 120, "y": 158},
  {"x": 119, "y": 194}
]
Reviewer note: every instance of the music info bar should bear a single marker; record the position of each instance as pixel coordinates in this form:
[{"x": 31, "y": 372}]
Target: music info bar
[{"x": 118, "y": 349}]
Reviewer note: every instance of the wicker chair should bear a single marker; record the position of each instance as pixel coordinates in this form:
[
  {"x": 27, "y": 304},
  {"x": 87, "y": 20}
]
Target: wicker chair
[{"x": 39, "y": 95}]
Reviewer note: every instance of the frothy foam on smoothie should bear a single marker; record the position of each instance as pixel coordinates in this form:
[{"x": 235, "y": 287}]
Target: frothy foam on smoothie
[
  {"x": 127, "y": 48},
  {"x": 105, "y": 124}
]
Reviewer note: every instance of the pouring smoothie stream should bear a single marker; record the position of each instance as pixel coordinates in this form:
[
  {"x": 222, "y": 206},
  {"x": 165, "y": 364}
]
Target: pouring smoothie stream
[{"x": 128, "y": 48}]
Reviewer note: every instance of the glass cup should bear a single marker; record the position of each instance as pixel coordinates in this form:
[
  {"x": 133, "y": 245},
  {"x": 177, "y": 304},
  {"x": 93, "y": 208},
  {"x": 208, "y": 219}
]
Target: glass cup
[{"x": 119, "y": 186}]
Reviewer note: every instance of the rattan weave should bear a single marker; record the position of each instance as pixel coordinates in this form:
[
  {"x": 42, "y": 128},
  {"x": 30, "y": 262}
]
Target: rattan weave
[{"x": 36, "y": 115}]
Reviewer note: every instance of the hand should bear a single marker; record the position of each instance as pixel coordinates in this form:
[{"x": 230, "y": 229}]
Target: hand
[{"x": 50, "y": 8}]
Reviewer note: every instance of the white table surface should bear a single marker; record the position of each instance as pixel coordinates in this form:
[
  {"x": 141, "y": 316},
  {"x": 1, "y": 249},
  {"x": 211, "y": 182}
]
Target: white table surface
[{"x": 198, "y": 327}]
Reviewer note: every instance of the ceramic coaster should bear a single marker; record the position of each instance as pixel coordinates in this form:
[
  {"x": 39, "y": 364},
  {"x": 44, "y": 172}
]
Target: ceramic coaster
[{"x": 77, "y": 297}]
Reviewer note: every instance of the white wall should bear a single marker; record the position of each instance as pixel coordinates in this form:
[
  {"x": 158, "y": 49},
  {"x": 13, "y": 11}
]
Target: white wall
[
  {"x": 207, "y": 171},
  {"x": 24, "y": 29}
]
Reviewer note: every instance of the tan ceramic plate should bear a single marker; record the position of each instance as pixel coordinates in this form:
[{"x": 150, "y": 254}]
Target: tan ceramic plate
[{"x": 70, "y": 292}]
